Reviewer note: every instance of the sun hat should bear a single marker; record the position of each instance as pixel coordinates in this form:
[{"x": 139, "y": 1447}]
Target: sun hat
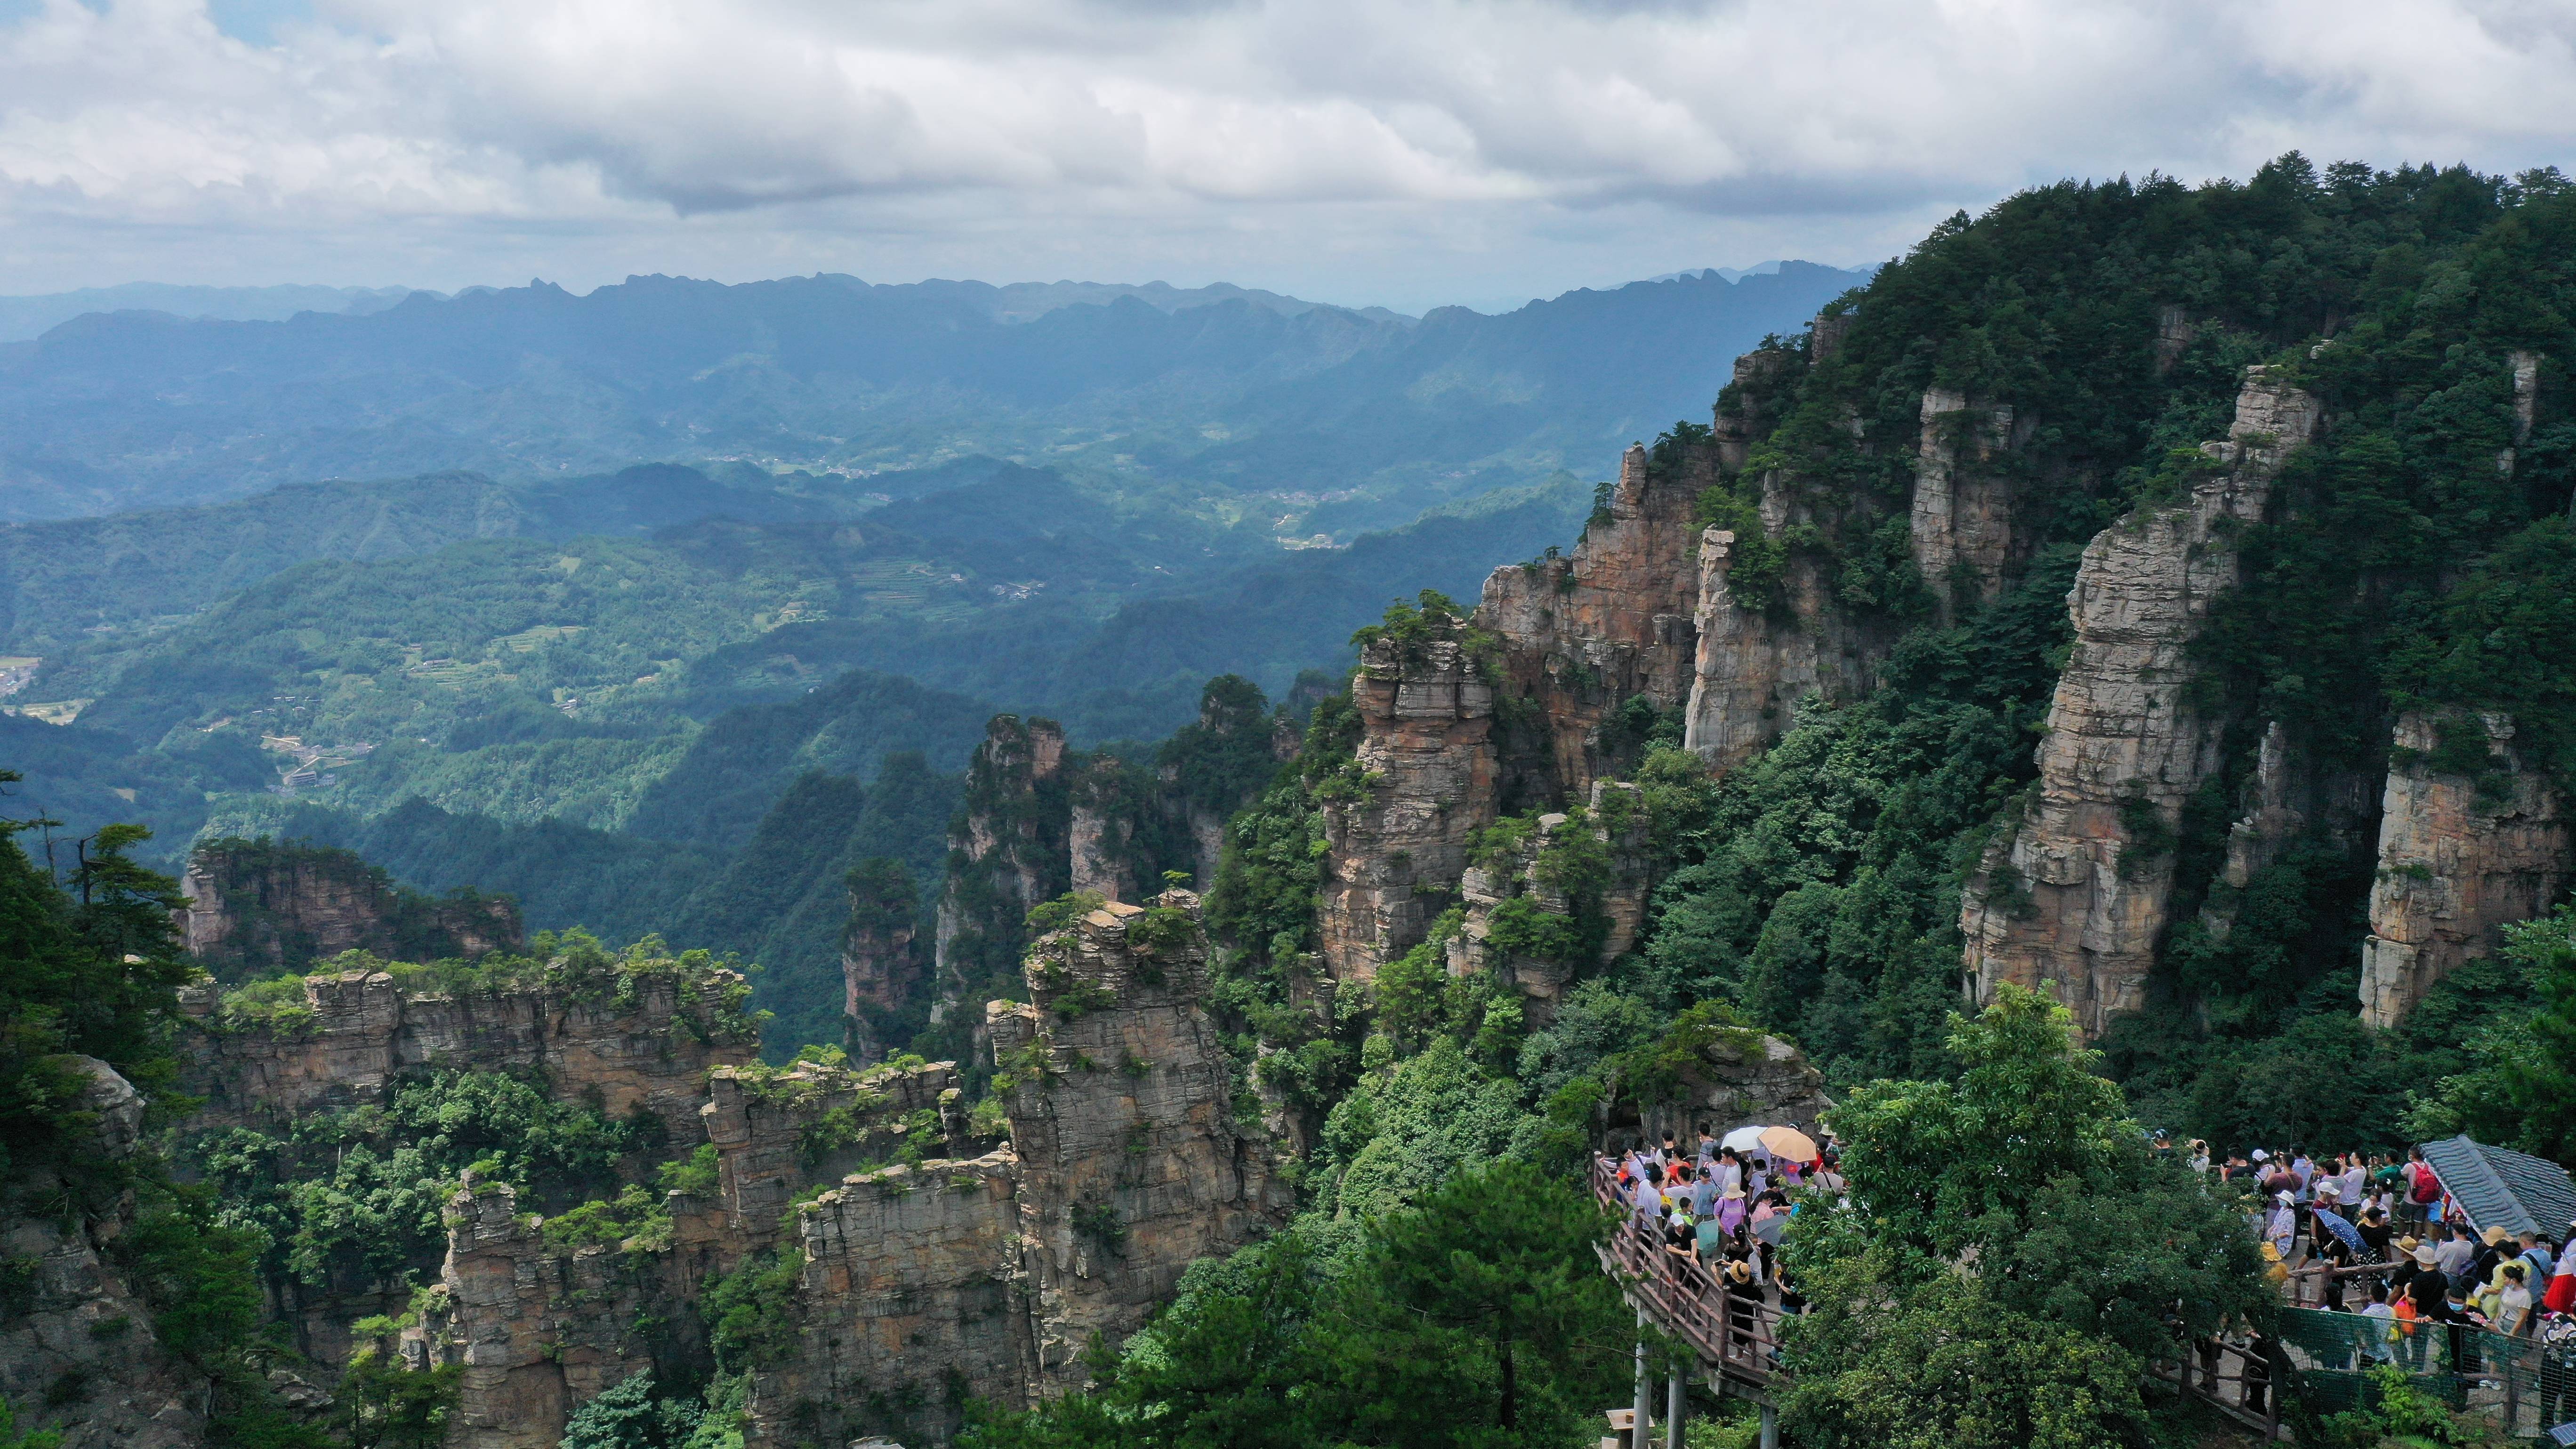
[
  {"x": 1732, "y": 1193},
  {"x": 2424, "y": 1257},
  {"x": 2495, "y": 1237},
  {"x": 2406, "y": 1245}
]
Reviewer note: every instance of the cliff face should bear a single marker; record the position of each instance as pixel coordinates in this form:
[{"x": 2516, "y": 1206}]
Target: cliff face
[
  {"x": 929, "y": 1282},
  {"x": 1007, "y": 852},
  {"x": 1736, "y": 1076},
  {"x": 648, "y": 1048},
  {"x": 1616, "y": 822},
  {"x": 2458, "y": 858},
  {"x": 883, "y": 968},
  {"x": 255, "y": 907},
  {"x": 2075, "y": 895},
  {"x": 1428, "y": 762},
  {"x": 1132, "y": 1163},
  {"x": 1758, "y": 658},
  {"x": 1961, "y": 528},
  {"x": 78, "y": 1353},
  {"x": 1613, "y": 622}
]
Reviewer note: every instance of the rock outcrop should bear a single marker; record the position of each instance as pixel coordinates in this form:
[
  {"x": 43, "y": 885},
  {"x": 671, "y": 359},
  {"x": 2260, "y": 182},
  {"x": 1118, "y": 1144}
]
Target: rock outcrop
[
  {"x": 2073, "y": 896},
  {"x": 933, "y": 1267},
  {"x": 1759, "y": 657},
  {"x": 642, "y": 1040},
  {"x": 256, "y": 907},
  {"x": 1614, "y": 822},
  {"x": 2459, "y": 857},
  {"x": 1738, "y": 1078},
  {"x": 945, "y": 1278},
  {"x": 1131, "y": 1161},
  {"x": 883, "y": 967},
  {"x": 1613, "y": 622},
  {"x": 78, "y": 1351},
  {"x": 1399, "y": 838},
  {"x": 1961, "y": 530}
]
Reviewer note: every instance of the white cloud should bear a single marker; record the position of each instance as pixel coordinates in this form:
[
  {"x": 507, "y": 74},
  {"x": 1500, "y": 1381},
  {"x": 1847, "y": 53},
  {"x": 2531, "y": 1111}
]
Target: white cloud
[{"x": 1400, "y": 146}]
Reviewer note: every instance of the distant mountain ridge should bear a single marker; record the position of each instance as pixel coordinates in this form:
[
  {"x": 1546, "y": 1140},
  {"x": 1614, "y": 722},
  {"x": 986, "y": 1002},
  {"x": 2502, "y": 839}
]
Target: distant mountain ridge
[
  {"x": 32, "y": 316},
  {"x": 1211, "y": 391}
]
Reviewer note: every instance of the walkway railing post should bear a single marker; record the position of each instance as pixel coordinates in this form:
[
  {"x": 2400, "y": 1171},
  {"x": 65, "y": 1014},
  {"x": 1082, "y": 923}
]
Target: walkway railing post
[
  {"x": 1645, "y": 1405},
  {"x": 1676, "y": 1403},
  {"x": 1770, "y": 1427}
]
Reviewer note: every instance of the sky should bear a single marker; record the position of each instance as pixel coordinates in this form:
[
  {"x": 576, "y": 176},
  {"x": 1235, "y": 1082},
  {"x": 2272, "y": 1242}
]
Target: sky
[{"x": 1351, "y": 151}]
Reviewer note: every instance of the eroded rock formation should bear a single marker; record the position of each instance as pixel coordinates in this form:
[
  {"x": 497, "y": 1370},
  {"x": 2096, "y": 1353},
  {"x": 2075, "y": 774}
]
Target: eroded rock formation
[
  {"x": 1132, "y": 1162},
  {"x": 1615, "y": 822},
  {"x": 2074, "y": 895},
  {"x": 2459, "y": 857},
  {"x": 1961, "y": 529},
  {"x": 1586, "y": 633},
  {"x": 255, "y": 906},
  {"x": 883, "y": 968},
  {"x": 1740, "y": 1077},
  {"x": 1428, "y": 784},
  {"x": 639, "y": 1039},
  {"x": 78, "y": 1351},
  {"x": 1758, "y": 658}
]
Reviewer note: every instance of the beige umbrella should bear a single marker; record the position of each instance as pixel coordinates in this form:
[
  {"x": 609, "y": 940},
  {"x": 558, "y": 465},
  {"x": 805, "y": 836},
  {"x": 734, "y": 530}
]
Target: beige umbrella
[{"x": 1790, "y": 1143}]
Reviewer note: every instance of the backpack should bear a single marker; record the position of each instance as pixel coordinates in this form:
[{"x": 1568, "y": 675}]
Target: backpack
[{"x": 2428, "y": 1188}]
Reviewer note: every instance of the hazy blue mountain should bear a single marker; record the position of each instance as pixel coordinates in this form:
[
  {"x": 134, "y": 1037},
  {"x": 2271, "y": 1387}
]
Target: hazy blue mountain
[
  {"x": 25, "y": 317},
  {"x": 1248, "y": 394}
]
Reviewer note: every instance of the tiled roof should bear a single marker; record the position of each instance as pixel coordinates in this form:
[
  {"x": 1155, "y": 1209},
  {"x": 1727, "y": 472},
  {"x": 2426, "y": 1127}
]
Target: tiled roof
[{"x": 2499, "y": 1187}]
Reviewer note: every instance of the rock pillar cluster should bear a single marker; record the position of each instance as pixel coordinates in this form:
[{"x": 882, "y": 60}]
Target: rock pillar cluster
[
  {"x": 2459, "y": 858},
  {"x": 2074, "y": 895}
]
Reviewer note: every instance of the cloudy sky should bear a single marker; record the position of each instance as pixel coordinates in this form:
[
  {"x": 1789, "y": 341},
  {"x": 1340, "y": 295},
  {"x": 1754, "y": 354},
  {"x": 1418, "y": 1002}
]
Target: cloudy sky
[{"x": 1358, "y": 151}]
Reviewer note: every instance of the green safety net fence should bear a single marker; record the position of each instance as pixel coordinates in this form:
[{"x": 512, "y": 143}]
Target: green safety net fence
[{"x": 2463, "y": 1367}]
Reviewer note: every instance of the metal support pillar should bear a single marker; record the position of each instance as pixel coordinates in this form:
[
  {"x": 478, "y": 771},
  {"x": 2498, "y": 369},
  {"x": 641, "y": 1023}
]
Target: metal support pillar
[
  {"x": 1638, "y": 1435},
  {"x": 1676, "y": 1404},
  {"x": 1770, "y": 1427}
]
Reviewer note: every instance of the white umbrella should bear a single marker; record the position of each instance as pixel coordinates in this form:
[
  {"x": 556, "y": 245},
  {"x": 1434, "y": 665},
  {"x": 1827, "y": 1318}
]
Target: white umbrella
[{"x": 1743, "y": 1139}]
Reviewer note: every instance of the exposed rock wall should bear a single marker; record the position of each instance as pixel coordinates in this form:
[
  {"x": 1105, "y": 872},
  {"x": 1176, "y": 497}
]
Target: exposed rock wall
[
  {"x": 988, "y": 1276},
  {"x": 1131, "y": 1162},
  {"x": 1397, "y": 851},
  {"x": 779, "y": 1133},
  {"x": 1584, "y": 633},
  {"x": 257, "y": 906},
  {"x": 648, "y": 1049},
  {"x": 910, "y": 1302},
  {"x": 1961, "y": 529},
  {"x": 1757, "y": 659},
  {"x": 1007, "y": 852},
  {"x": 2455, "y": 863},
  {"x": 2074, "y": 895},
  {"x": 78, "y": 1353},
  {"x": 538, "y": 1327},
  {"x": 1613, "y": 817},
  {"x": 1740, "y": 1078}
]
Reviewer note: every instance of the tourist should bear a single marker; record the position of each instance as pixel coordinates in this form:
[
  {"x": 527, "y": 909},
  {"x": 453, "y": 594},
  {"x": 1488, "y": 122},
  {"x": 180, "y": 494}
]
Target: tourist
[
  {"x": 1743, "y": 1299},
  {"x": 2536, "y": 1256},
  {"x": 2422, "y": 1189},
  {"x": 2512, "y": 1302},
  {"x": 2376, "y": 1341},
  {"x": 1730, "y": 1210},
  {"x": 2454, "y": 1250},
  {"x": 2197, "y": 1158},
  {"x": 2561, "y": 1294},
  {"x": 2281, "y": 1228},
  {"x": 1681, "y": 1240}
]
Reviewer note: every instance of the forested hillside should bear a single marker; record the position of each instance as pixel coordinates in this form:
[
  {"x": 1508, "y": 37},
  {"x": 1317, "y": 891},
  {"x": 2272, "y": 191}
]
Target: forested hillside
[{"x": 1286, "y": 407}]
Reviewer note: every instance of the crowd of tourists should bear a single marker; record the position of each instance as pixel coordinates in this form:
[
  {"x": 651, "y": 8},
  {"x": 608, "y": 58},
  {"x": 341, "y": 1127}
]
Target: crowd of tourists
[
  {"x": 1723, "y": 1209},
  {"x": 2381, "y": 1237}
]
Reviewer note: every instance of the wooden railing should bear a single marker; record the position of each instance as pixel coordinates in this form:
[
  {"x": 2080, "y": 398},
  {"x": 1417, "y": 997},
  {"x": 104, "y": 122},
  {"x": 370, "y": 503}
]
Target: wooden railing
[{"x": 1735, "y": 1335}]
